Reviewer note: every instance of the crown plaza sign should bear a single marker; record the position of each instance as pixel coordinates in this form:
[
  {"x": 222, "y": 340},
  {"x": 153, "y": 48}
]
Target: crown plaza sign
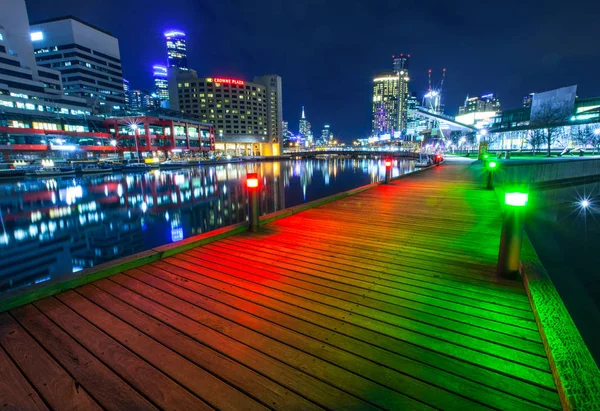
[{"x": 229, "y": 81}]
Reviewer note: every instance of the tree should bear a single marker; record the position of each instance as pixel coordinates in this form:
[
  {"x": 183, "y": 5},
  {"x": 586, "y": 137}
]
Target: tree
[
  {"x": 551, "y": 116},
  {"x": 536, "y": 138},
  {"x": 594, "y": 139},
  {"x": 581, "y": 134}
]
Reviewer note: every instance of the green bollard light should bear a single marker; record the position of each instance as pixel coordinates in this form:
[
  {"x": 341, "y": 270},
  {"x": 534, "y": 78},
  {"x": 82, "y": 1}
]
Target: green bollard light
[
  {"x": 491, "y": 167},
  {"x": 513, "y": 225}
]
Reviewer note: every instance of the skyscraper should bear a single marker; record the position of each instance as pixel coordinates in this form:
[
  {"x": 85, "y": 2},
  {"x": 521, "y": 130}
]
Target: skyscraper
[
  {"x": 176, "y": 49},
  {"x": 161, "y": 85},
  {"x": 325, "y": 134},
  {"x": 304, "y": 128},
  {"x": 87, "y": 57},
  {"x": 400, "y": 65},
  {"x": 385, "y": 103},
  {"x": 126, "y": 90}
]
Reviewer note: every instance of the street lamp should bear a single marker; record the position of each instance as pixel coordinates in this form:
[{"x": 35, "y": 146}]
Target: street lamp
[
  {"x": 114, "y": 144},
  {"x": 134, "y": 127}
]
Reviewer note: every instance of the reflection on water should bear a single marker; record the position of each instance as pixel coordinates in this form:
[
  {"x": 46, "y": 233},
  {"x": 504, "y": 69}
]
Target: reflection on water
[
  {"x": 54, "y": 227},
  {"x": 565, "y": 231}
]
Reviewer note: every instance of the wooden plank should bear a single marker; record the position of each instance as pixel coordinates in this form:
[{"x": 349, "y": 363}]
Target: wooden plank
[
  {"x": 295, "y": 359},
  {"x": 368, "y": 270},
  {"x": 282, "y": 315},
  {"x": 295, "y": 338},
  {"x": 55, "y": 385},
  {"x": 247, "y": 381},
  {"x": 205, "y": 385},
  {"x": 347, "y": 312},
  {"x": 382, "y": 298},
  {"x": 415, "y": 319},
  {"x": 110, "y": 391},
  {"x": 153, "y": 384},
  {"x": 15, "y": 391},
  {"x": 313, "y": 389}
]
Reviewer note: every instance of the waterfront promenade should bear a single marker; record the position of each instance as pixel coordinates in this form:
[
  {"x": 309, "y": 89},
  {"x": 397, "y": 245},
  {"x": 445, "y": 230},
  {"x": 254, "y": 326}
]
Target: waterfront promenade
[{"x": 384, "y": 299}]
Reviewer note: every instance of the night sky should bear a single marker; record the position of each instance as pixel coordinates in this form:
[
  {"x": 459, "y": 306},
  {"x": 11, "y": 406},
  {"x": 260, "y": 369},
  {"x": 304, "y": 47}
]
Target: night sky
[{"x": 327, "y": 51}]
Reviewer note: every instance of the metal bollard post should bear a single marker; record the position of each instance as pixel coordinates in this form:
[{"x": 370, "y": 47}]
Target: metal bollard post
[
  {"x": 388, "y": 171},
  {"x": 253, "y": 212},
  {"x": 491, "y": 168},
  {"x": 513, "y": 226}
]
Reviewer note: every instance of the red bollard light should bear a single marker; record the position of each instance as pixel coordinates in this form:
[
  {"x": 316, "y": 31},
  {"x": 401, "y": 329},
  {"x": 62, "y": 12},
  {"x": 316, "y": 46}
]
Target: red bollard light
[
  {"x": 253, "y": 212},
  {"x": 438, "y": 159},
  {"x": 388, "y": 171},
  {"x": 252, "y": 180}
]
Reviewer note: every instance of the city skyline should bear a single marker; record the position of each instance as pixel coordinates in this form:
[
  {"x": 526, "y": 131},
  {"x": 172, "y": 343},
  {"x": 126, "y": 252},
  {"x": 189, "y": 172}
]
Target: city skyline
[{"x": 538, "y": 59}]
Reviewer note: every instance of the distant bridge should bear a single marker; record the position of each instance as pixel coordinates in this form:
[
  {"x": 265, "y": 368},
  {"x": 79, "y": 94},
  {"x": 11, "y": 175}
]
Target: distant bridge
[
  {"x": 444, "y": 119},
  {"x": 353, "y": 153}
]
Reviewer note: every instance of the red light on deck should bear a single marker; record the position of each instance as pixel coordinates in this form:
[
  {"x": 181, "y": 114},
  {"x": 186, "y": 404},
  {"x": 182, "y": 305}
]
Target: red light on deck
[
  {"x": 439, "y": 156},
  {"x": 252, "y": 180},
  {"x": 388, "y": 163}
]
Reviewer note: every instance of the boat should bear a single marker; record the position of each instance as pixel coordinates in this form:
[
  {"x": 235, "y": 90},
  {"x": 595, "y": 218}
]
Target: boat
[
  {"x": 12, "y": 173},
  {"x": 171, "y": 164},
  {"x": 130, "y": 167},
  {"x": 51, "y": 172},
  {"x": 424, "y": 160},
  {"x": 95, "y": 169}
]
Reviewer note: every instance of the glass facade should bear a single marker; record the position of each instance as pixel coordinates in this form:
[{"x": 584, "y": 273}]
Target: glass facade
[{"x": 176, "y": 49}]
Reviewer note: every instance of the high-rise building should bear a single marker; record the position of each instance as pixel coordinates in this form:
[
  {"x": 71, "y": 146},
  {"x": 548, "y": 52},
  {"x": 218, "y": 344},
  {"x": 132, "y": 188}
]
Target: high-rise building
[
  {"x": 87, "y": 57},
  {"x": 304, "y": 128},
  {"x": 272, "y": 84},
  {"x": 176, "y": 49},
  {"x": 400, "y": 66},
  {"x": 244, "y": 113},
  {"x": 139, "y": 100},
  {"x": 485, "y": 103},
  {"x": 126, "y": 90},
  {"x": 385, "y": 103},
  {"x": 25, "y": 85},
  {"x": 285, "y": 134},
  {"x": 413, "y": 120},
  {"x": 326, "y": 134},
  {"x": 161, "y": 85}
]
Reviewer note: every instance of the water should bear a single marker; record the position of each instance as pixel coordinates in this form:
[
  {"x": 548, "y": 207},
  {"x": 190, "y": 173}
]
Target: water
[
  {"x": 566, "y": 237},
  {"x": 52, "y": 228}
]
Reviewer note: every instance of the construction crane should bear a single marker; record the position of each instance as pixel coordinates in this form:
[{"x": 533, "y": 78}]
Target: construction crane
[{"x": 433, "y": 99}]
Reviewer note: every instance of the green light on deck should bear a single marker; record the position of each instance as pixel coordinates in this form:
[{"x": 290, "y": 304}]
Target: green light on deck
[
  {"x": 485, "y": 156},
  {"x": 492, "y": 164},
  {"x": 516, "y": 199}
]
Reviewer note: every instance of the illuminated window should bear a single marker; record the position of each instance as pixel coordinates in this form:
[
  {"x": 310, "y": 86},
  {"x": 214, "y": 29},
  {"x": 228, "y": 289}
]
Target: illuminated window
[{"x": 186, "y": 84}]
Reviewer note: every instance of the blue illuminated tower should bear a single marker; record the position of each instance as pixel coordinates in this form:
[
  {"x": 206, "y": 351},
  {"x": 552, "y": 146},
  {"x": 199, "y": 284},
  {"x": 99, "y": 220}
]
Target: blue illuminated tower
[
  {"x": 176, "y": 49},
  {"x": 161, "y": 85}
]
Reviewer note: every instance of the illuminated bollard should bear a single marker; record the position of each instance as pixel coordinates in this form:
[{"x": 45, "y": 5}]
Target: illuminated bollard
[
  {"x": 253, "y": 212},
  {"x": 388, "y": 171},
  {"x": 491, "y": 168},
  {"x": 513, "y": 225}
]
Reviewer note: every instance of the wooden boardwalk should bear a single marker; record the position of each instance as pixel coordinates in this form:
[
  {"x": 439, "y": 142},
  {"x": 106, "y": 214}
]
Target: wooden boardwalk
[{"x": 385, "y": 299}]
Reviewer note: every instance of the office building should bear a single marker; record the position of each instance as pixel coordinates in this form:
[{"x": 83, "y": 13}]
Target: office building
[
  {"x": 400, "y": 66},
  {"x": 326, "y": 135},
  {"x": 247, "y": 115},
  {"x": 139, "y": 100},
  {"x": 126, "y": 91},
  {"x": 176, "y": 49},
  {"x": 161, "y": 85},
  {"x": 87, "y": 57},
  {"x": 30, "y": 94},
  {"x": 485, "y": 103},
  {"x": 304, "y": 128},
  {"x": 385, "y": 118}
]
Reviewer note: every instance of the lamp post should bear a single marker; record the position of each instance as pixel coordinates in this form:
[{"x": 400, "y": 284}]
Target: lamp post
[
  {"x": 252, "y": 185},
  {"x": 491, "y": 168},
  {"x": 388, "y": 170},
  {"x": 134, "y": 128},
  {"x": 513, "y": 225},
  {"x": 114, "y": 144}
]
